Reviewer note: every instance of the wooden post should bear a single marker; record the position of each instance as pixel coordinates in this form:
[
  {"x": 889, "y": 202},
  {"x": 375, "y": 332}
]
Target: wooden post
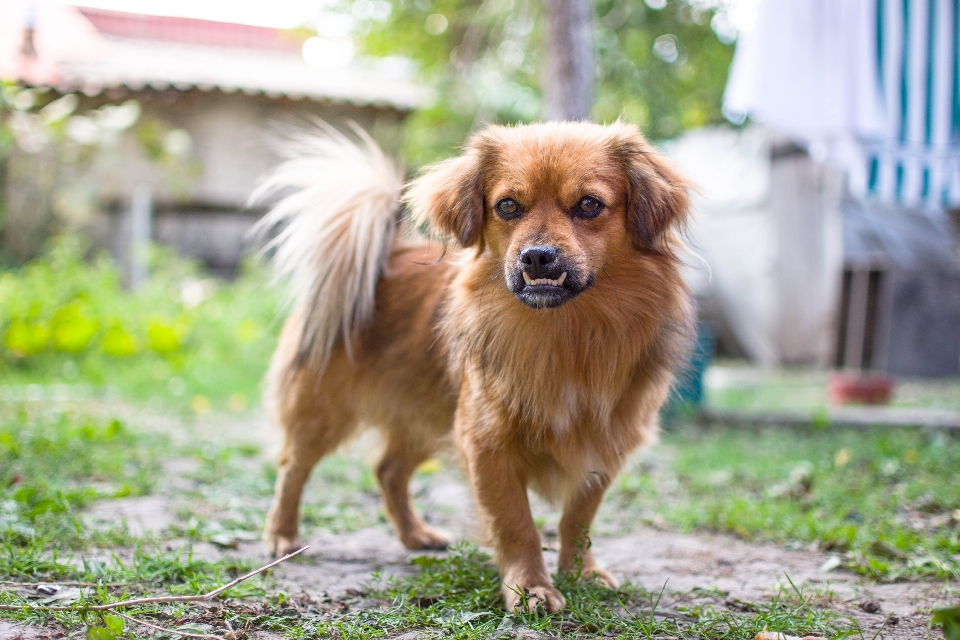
[
  {"x": 857, "y": 318},
  {"x": 568, "y": 67}
]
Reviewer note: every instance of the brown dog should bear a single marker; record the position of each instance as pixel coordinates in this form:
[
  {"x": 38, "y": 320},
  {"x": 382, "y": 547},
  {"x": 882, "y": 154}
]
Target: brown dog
[{"x": 546, "y": 341}]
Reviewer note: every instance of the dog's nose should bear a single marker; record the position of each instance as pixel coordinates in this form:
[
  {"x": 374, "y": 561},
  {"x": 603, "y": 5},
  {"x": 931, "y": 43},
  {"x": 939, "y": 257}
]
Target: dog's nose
[{"x": 536, "y": 259}]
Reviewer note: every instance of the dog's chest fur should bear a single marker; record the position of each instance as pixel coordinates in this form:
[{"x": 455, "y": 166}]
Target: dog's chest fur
[{"x": 554, "y": 371}]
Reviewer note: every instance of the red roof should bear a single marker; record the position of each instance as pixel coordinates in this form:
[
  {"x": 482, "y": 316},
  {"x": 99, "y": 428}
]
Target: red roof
[
  {"x": 189, "y": 30},
  {"x": 91, "y": 50}
]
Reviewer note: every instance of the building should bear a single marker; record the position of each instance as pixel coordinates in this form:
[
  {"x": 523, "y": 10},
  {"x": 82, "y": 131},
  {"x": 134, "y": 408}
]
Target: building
[
  {"x": 833, "y": 230},
  {"x": 207, "y": 99}
]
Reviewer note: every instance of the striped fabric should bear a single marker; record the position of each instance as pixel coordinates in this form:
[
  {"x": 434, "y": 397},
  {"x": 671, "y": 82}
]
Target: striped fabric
[
  {"x": 872, "y": 85},
  {"x": 916, "y": 162}
]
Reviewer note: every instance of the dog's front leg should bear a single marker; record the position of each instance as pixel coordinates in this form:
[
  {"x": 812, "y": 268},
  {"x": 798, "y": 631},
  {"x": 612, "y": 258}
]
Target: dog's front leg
[
  {"x": 574, "y": 530},
  {"x": 499, "y": 487}
]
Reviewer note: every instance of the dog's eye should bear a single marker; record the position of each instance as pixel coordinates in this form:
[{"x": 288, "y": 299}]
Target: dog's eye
[
  {"x": 508, "y": 208},
  {"x": 588, "y": 207}
]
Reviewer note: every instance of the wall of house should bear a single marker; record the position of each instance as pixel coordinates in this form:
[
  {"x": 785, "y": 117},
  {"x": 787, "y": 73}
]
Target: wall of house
[
  {"x": 765, "y": 238},
  {"x": 235, "y": 142},
  {"x": 198, "y": 199}
]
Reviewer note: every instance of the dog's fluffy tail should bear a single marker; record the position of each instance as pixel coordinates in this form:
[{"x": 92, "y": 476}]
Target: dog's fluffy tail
[{"x": 336, "y": 228}]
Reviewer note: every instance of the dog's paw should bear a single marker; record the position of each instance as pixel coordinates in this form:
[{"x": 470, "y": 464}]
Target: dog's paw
[
  {"x": 425, "y": 538},
  {"x": 517, "y": 598},
  {"x": 602, "y": 577},
  {"x": 277, "y": 545}
]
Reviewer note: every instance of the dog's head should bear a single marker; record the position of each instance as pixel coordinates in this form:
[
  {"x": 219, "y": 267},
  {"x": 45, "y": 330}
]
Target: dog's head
[{"x": 554, "y": 203}]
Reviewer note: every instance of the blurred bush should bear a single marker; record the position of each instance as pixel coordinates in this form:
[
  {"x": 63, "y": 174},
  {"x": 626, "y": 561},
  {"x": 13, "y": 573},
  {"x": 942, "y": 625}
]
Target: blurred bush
[{"x": 65, "y": 319}]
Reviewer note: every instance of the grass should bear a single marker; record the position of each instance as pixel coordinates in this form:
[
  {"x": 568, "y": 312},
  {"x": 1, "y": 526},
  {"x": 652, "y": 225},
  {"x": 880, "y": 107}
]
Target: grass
[
  {"x": 70, "y": 330},
  {"x": 53, "y": 464},
  {"x": 458, "y": 596},
  {"x": 887, "y": 503}
]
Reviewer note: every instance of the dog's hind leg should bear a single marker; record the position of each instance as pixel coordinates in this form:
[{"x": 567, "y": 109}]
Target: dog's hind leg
[
  {"x": 312, "y": 432},
  {"x": 397, "y": 466},
  {"x": 574, "y": 530}
]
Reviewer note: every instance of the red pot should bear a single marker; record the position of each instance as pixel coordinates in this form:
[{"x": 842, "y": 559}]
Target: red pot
[{"x": 859, "y": 388}]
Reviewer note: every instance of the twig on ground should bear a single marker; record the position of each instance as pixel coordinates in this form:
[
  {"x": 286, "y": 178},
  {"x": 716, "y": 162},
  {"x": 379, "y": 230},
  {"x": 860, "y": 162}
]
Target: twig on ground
[
  {"x": 675, "y": 615},
  {"x": 216, "y": 592},
  {"x": 156, "y": 600},
  {"x": 14, "y": 583},
  {"x": 229, "y": 635}
]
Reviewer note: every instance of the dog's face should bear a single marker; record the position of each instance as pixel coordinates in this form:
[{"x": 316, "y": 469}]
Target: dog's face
[{"x": 553, "y": 203}]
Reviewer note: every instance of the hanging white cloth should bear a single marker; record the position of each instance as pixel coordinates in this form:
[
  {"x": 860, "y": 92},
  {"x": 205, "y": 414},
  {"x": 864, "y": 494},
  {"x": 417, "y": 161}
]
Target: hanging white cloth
[{"x": 878, "y": 81}]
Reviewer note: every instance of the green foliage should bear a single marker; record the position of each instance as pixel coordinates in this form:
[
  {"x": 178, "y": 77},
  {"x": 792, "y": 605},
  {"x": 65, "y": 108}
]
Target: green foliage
[
  {"x": 886, "y": 502},
  {"x": 663, "y": 69},
  {"x": 64, "y": 319},
  {"x": 949, "y": 619}
]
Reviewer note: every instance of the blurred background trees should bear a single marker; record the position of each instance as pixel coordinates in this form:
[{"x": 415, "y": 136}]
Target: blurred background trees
[{"x": 661, "y": 64}]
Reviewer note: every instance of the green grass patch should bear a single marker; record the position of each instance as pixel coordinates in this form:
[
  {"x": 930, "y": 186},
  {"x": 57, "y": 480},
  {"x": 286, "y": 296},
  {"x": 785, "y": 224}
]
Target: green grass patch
[
  {"x": 52, "y": 464},
  {"x": 458, "y": 596},
  {"x": 232, "y": 487},
  {"x": 886, "y": 502},
  {"x": 744, "y": 387},
  {"x": 882, "y": 501},
  {"x": 70, "y": 330}
]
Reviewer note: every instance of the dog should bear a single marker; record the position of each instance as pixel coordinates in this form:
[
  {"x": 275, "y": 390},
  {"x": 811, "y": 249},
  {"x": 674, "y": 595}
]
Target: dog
[{"x": 543, "y": 332}]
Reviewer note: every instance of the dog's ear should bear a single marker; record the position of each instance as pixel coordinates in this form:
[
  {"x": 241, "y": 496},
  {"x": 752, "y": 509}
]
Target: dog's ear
[
  {"x": 448, "y": 197},
  {"x": 657, "y": 198}
]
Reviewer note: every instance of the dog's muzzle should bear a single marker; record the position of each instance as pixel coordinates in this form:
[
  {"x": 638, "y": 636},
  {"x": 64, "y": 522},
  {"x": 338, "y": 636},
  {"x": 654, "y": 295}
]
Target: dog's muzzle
[{"x": 542, "y": 279}]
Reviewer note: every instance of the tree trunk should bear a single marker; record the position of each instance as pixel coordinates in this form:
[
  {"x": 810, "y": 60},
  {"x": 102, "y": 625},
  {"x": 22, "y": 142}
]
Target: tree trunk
[{"x": 568, "y": 68}]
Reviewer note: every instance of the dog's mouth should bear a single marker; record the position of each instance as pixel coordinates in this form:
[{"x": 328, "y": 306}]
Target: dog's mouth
[
  {"x": 530, "y": 282},
  {"x": 545, "y": 292}
]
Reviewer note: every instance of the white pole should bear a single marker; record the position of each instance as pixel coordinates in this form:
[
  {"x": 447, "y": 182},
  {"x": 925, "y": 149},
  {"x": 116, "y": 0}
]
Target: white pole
[{"x": 140, "y": 220}]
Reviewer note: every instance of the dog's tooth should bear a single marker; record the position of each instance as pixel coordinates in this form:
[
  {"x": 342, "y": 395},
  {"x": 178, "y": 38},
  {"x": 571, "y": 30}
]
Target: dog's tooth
[{"x": 538, "y": 281}]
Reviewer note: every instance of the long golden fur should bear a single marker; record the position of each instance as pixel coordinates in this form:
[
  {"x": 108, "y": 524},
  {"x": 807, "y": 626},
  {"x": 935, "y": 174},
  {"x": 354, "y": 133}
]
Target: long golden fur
[{"x": 545, "y": 338}]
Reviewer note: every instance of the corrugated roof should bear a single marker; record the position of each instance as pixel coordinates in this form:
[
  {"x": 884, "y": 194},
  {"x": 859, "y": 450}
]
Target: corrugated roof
[
  {"x": 191, "y": 31},
  {"x": 93, "y": 51}
]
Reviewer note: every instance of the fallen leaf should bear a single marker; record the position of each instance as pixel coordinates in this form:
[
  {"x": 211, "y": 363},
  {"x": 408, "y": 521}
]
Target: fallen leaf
[{"x": 886, "y": 550}]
